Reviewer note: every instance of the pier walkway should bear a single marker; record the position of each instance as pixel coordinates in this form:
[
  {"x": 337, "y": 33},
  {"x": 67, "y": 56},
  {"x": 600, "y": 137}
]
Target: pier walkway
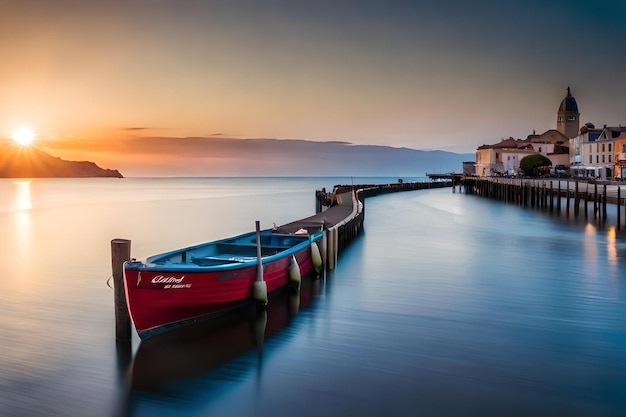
[
  {"x": 326, "y": 219},
  {"x": 343, "y": 221}
]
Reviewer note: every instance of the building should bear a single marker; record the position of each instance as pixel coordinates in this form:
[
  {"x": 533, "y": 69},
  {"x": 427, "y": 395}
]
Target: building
[
  {"x": 552, "y": 144},
  {"x": 588, "y": 133},
  {"x": 502, "y": 158},
  {"x": 589, "y": 152},
  {"x": 620, "y": 155},
  {"x": 469, "y": 168},
  {"x": 568, "y": 117},
  {"x": 599, "y": 153}
]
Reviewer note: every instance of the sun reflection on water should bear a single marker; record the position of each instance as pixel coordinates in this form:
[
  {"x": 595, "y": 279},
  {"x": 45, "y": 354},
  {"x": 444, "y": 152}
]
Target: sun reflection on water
[
  {"x": 23, "y": 205},
  {"x": 22, "y": 196}
]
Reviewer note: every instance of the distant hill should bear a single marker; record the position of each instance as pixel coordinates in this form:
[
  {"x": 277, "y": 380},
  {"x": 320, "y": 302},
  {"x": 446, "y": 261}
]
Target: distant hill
[
  {"x": 29, "y": 162},
  {"x": 225, "y": 156}
]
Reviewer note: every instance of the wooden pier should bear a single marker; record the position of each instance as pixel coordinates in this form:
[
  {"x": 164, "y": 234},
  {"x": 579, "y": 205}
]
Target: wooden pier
[
  {"x": 572, "y": 197},
  {"x": 343, "y": 220}
]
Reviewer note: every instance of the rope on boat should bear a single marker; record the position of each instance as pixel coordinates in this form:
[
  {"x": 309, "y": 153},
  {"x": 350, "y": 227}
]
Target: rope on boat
[{"x": 109, "y": 282}]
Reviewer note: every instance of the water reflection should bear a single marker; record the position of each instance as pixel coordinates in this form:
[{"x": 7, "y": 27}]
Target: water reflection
[
  {"x": 23, "y": 204},
  {"x": 611, "y": 246},
  {"x": 187, "y": 367},
  {"x": 590, "y": 249},
  {"x": 22, "y": 196}
]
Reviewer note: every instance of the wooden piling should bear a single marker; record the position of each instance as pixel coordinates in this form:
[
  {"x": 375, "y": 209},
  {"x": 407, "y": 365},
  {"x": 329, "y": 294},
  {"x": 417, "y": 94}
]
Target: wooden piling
[
  {"x": 259, "y": 286},
  {"x": 120, "y": 253},
  {"x": 604, "y": 202},
  {"x": 551, "y": 197},
  {"x": 535, "y": 193},
  {"x": 586, "y": 202},
  {"x": 324, "y": 248},
  {"x": 331, "y": 248},
  {"x": 567, "y": 201},
  {"x": 595, "y": 200},
  {"x": 525, "y": 195},
  {"x": 336, "y": 236},
  {"x": 619, "y": 196},
  {"x": 576, "y": 200}
]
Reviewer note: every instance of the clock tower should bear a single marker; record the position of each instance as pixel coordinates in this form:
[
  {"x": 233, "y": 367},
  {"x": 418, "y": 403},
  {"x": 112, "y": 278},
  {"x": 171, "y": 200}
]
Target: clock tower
[{"x": 568, "y": 117}]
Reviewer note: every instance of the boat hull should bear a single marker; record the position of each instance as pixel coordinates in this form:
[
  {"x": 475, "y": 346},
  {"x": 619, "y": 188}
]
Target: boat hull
[{"x": 162, "y": 298}]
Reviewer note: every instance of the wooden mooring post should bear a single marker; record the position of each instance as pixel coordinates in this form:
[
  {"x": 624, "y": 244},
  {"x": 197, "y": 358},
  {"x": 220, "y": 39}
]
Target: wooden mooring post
[
  {"x": 120, "y": 253},
  {"x": 619, "y": 197},
  {"x": 576, "y": 200},
  {"x": 558, "y": 198},
  {"x": 586, "y": 202},
  {"x": 604, "y": 202},
  {"x": 595, "y": 200},
  {"x": 567, "y": 198},
  {"x": 551, "y": 197}
]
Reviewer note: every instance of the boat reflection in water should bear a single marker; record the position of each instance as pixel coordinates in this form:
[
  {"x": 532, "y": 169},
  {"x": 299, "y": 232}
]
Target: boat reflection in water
[{"x": 184, "y": 367}]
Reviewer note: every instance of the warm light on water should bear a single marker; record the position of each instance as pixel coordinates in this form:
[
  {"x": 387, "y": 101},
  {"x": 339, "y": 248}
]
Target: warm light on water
[
  {"x": 22, "y": 196},
  {"x": 447, "y": 305}
]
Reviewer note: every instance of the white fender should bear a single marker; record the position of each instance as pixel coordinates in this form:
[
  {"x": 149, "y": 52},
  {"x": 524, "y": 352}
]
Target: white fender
[
  {"x": 294, "y": 272},
  {"x": 259, "y": 292},
  {"x": 316, "y": 257}
]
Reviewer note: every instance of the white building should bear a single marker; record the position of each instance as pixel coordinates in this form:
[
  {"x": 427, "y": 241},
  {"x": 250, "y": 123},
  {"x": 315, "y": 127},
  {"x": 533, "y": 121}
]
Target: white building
[{"x": 596, "y": 152}]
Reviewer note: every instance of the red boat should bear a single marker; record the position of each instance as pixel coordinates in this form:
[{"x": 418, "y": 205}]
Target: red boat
[{"x": 196, "y": 283}]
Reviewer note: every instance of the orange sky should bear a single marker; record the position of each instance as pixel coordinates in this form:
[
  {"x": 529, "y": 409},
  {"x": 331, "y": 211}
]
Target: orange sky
[{"x": 425, "y": 75}]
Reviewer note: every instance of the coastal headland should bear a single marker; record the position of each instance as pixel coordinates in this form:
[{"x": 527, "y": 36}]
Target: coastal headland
[{"x": 29, "y": 162}]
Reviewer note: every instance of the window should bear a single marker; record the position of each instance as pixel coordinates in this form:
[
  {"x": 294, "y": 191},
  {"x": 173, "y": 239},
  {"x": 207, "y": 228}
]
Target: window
[
  {"x": 609, "y": 147},
  {"x": 540, "y": 149},
  {"x": 624, "y": 148},
  {"x": 590, "y": 161},
  {"x": 603, "y": 147},
  {"x": 602, "y": 158},
  {"x": 597, "y": 159},
  {"x": 609, "y": 158},
  {"x": 571, "y": 118}
]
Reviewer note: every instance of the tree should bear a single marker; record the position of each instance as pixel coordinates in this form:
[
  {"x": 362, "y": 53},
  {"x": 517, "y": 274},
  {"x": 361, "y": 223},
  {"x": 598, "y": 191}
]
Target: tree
[{"x": 532, "y": 165}]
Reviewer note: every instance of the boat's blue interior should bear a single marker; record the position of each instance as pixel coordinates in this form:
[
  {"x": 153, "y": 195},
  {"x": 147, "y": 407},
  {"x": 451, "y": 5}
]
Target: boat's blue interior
[{"x": 237, "y": 249}]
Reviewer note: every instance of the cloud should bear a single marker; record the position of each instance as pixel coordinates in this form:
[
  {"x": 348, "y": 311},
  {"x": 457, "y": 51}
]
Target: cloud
[{"x": 137, "y": 128}]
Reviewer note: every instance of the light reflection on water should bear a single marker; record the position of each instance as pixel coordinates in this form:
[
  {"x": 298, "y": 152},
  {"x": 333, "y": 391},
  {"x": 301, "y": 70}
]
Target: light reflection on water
[
  {"x": 447, "y": 305},
  {"x": 22, "y": 196}
]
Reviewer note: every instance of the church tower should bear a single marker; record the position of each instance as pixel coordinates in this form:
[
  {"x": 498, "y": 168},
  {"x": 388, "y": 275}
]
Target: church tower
[{"x": 568, "y": 117}]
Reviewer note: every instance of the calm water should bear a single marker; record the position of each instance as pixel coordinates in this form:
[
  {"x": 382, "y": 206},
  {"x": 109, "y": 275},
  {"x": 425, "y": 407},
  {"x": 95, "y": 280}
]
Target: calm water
[{"x": 447, "y": 305}]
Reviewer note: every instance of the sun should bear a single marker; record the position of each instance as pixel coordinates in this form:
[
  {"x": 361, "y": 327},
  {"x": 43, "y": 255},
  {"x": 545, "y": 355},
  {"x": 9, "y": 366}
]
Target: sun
[{"x": 23, "y": 135}]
